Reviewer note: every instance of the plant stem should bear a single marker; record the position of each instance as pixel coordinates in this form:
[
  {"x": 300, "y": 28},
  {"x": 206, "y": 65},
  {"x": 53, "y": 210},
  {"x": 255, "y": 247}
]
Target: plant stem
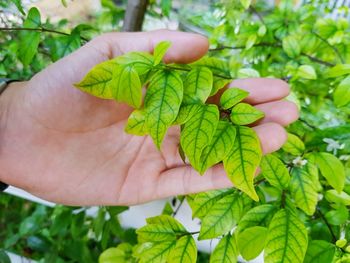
[
  {"x": 186, "y": 69},
  {"x": 328, "y": 225},
  {"x": 266, "y": 44},
  {"x": 254, "y": 11},
  {"x": 178, "y": 207},
  {"x": 336, "y": 51},
  {"x": 39, "y": 29}
]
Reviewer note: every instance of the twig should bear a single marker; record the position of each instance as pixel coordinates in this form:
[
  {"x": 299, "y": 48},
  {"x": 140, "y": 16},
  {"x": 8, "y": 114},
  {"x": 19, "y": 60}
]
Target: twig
[
  {"x": 328, "y": 225},
  {"x": 252, "y": 8},
  {"x": 336, "y": 51},
  {"x": 307, "y": 124},
  {"x": 314, "y": 59},
  {"x": 39, "y": 29},
  {"x": 187, "y": 69},
  {"x": 178, "y": 207}
]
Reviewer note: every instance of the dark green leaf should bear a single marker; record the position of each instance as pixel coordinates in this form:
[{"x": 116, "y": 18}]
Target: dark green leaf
[{"x": 319, "y": 251}]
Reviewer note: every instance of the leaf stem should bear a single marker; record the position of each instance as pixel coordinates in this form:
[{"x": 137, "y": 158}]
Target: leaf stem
[
  {"x": 39, "y": 29},
  {"x": 178, "y": 207},
  {"x": 328, "y": 225}
]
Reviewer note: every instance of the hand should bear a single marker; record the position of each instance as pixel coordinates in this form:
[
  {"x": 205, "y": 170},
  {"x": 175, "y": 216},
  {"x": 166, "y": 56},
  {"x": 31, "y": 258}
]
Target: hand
[{"x": 68, "y": 147}]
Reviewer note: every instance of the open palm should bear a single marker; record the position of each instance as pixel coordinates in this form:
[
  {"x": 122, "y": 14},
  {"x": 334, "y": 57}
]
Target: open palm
[{"x": 69, "y": 147}]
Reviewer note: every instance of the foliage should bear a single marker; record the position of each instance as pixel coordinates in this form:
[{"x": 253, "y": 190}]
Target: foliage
[{"x": 295, "y": 210}]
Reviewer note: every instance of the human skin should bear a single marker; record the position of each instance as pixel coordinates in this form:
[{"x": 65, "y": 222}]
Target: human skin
[{"x": 69, "y": 147}]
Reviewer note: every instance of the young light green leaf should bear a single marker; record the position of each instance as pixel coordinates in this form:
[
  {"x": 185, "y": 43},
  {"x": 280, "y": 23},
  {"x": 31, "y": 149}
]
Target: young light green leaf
[
  {"x": 319, "y": 251},
  {"x": 222, "y": 217},
  {"x": 162, "y": 103},
  {"x": 29, "y": 40},
  {"x": 251, "y": 241},
  {"x": 244, "y": 73},
  {"x": 342, "y": 93},
  {"x": 242, "y": 163},
  {"x": 167, "y": 221},
  {"x": 126, "y": 86},
  {"x": 154, "y": 252},
  {"x": 338, "y": 198},
  {"x": 250, "y": 41},
  {"x": 160, "y": 50},
  {"x": 286, "y": 240},
  {"x": 246, "y": 3},
  {"x": 98, "y": 80},
  {"x": 338, "y": 216},
  {"x": 257, "y": 216},
  {"x": 142, "y": 62},
  {"x": 231, "y": 97},
  {"x": 331, "y": 168},
  {"x": 136, "y": 123},
  {"x": 202, "y": 202},
  {"x": 198, "y": 132},
  {"x": 185, "y": 251},
  {"x": 219, "y": 147},
  {"x": 225, "y": 251},
  {"x": 219, "y": 68},
  {"x": 294, "y": 145},
  {"x": 122, "y": 253},
  {"x": 303, "y": 190},
  {"x": 186, "y": 112},
  {"x": 337, "y": 71},
  {"x": 243, "y": 114},
  {"x": 306, "y": 72},
  {"x": 18, "y": 4},
  {"x": 291, "y": 46},
  {"x": 274, "y": 171},
  {"x": 197, "y": 85},
  {"x": 155, "y": 233}
]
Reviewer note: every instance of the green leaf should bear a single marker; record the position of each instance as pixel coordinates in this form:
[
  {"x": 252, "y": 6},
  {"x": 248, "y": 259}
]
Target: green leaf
[
  {"x": 275, "y": 171},
  {"x": 251, "y": 242},
  {"x": 166, "y": 7},
  {"x": 126, "y": 86},
  {"x": 246, "y": 3},
  {"x": 342, "y": 93},
  {"x": 332, "y": 169},
  {"x": 291, "y": 46},
  {"x": 243, "y": 114},
  {"x": 231, "y": 97},
  {"x": 185, "y": 251},
  {"x": 222, "y": 217},
  {"x": 257, "y": 216},
  {"x": 154, "y": 252},
  {"x": 122, "y": 253},
  {"x": 225, "y": 251},
  {"x": 339, "y": 198},
  {"x": 319, "y": 251},
  {"x": 242, "y": 163},
  {"x": 250, "y": 41},
  {"x": 162, "y": 103},
  {"x": 167, "y": 221},
  {"x": 142, "y": 62},
  {"x": 136, "y": 123},
  {"x": 286, "y": 240},
  {"x": 167, "y": 210},
  {"x": 303, "y": 190},
  {"x": 155, "y": 233},
  {"x": 337, "y": 217},
  {"x": 29, "y": 40},
  {"x": 198, "y": 132},
  {"x": 160, "y": 50},
  {"x": 220, "y": 69},
  {"x": 306, "y": 72},
  {"x": 248, "y": 73},
  {"x": 293, "y": 145},
  {"x": 197, "y": 85},
  {"x": 203, "y": 201},
  {"x": 4, "y": 258},
  {"x": 337, "y": 71},
  {"x": 219, "y": 147},
  {"x": 98, "y": 80},
  {"x": 186, "y": 112}
]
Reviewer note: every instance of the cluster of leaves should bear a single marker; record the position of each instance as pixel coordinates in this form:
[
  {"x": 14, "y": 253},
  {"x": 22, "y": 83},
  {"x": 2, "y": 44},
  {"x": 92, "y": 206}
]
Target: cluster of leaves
[
  {"x": 59, "y": 234},
  {"x": 180, "y": 99}
]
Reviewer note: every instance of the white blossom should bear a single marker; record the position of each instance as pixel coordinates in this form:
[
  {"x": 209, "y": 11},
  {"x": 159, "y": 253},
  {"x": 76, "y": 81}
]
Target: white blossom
[
  {"x": 333, "y": 145},
  {"x": 299, "y": 161}
]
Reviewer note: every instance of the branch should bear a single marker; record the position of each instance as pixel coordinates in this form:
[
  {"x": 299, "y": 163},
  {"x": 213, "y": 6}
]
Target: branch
[
  {"x": 328, "y": 225},
  {"x": 266, "y": 44},
  {"x": 39, "y": 29},
  {"x": 178, "y": 208},
  {"x": 134, "y": 15},
  {"x": 187, "y": 69},
  {"x": 336, "y": 51},
  {"x": 254, "y": 11}
]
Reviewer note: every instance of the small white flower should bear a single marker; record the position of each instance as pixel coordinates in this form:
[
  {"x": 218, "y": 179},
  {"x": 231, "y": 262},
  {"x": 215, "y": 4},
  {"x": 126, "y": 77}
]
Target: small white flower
[
  {"x": 299, "y": 161},
  {"x": 333, "y": 146},
  {"x": 307, "y": 101},
  {"x": 344, "y": 157}
]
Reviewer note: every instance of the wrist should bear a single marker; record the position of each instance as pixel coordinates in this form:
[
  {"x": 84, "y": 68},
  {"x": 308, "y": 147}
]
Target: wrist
[{"x": 10, "y": 100}]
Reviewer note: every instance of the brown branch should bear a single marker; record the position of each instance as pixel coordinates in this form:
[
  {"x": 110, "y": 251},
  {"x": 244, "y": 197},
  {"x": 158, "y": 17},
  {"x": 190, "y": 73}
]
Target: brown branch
[
  {"x": 134, "y": 15},
  {"x": 39, "y": 29},
  {"x": 187, "y": 69}
]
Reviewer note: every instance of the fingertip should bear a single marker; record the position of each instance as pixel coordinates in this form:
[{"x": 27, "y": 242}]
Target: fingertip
[{"x": 272, "y": 136}]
